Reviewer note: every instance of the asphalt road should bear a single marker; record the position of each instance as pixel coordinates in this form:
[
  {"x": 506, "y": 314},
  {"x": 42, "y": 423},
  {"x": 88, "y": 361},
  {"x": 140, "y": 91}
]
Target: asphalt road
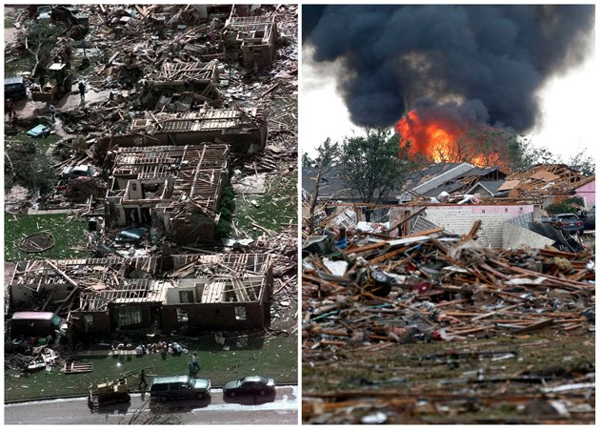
[{"x": 280, "y": 409}]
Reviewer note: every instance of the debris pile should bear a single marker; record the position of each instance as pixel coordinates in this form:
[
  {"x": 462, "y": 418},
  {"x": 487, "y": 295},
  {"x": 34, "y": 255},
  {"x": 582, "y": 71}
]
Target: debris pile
[
  {"x": 419, "y": 288},
  {"x": 365, "y": 292},
  {"x": 80, "y": 189},
  {"x": 170, "y": 109}
]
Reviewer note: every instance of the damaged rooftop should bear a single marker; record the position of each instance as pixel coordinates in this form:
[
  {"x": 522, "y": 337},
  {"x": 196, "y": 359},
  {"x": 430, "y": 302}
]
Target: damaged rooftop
[{"x": 141, "y": 230}]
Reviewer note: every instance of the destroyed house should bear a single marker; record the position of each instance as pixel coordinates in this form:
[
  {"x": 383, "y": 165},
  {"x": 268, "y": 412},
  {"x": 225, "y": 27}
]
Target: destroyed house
[
  {"x": 176, "y": 189},
  {"x": 186, "y": 292},
  {"x": 243, "y": 132},
  {"x": 549, "y": 184},
  {"x": 452, "y": 178},
  {"x": 180, "y": 85},
  {"x": 256, "y": 36}
]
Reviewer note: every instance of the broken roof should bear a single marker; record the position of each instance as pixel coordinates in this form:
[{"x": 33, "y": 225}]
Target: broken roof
[
  {"x": 172, "y": 72},
  {"x": 448, "y": 177},
  {"x": 247, "y": 24},
  {"x": 202, "y": 120},
  {"x": 198, "y": 173},
  {"x": 331, "y": 185},
  {"x": 103, "y": 281},
  {"x": 492, "y": 186},
  {"x": 543, "y": 180}
]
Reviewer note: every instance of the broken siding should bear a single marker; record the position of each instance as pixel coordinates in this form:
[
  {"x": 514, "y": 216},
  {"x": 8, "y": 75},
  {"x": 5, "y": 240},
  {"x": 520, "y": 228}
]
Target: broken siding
[
  {"x": 460, "y": 219},
  {"x": 515, "y": 236},
  {"x": 422, "y": 225}
]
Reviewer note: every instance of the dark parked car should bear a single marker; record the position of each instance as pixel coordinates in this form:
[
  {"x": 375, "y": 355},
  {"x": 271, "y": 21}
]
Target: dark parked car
[
  {"x": 253, "y": 385},
  {"x": 566, "y": 222},
  {"x": 130, "y": 236},
  {"x": 589, "y": 222},
  {"x": 14, "y": 88},
  {"x": 179, "y": 387}
]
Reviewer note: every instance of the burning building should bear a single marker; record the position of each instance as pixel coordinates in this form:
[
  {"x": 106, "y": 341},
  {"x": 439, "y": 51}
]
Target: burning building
[{"x": 446, "y": 76}]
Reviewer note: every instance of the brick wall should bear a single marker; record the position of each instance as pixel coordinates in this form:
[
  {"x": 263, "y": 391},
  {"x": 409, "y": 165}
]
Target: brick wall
[
  {"x": 458, "y": 219},
  {"x": 216, "y": 316}
]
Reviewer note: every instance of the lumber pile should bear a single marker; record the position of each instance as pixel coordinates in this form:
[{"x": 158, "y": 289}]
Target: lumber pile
[
  {"x": 453, "y": 286},
  {"x": 435, "y": 327},
  {"x": 76, "y": 368}
]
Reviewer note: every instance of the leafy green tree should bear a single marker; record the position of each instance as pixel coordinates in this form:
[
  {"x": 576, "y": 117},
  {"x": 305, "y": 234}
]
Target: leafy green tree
[
  {"x": 307, "y": 162},
  {"x": 374, "y": 164},
  {"x": 41, "y": 41},
  {"x": 583, "y": 162}
]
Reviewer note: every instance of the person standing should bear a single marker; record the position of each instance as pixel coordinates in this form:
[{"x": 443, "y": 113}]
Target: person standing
[
  {"x": 9, "y": 108},
  {"x": 195, "y": 363},
  {"x": 143, "y": 380},
  {"x": 190, "y": 366},
  {"x": 81, "y": 88},
  {"x": 52, "y": 109}
]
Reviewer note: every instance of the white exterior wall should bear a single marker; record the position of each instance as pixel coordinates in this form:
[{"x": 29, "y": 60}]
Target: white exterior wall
[{"x": 459, "y": 219}]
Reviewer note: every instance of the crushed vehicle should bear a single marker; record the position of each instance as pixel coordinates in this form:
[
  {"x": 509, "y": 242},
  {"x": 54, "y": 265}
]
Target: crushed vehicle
[
  {"x": 74, "y": 172},
  {"x": 39, "y": 131},
  {"x": 130, "y": 236}
]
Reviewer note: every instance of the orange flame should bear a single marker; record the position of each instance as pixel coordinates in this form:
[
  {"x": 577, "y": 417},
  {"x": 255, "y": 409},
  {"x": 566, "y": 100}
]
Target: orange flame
[
  {"x": 443, "y": 140},
  {"x": 436, "y": 139}
]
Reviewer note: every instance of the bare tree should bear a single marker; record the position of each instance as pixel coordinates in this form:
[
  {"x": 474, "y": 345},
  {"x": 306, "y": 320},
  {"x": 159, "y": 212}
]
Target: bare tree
[{"x": 324, "y": 162}]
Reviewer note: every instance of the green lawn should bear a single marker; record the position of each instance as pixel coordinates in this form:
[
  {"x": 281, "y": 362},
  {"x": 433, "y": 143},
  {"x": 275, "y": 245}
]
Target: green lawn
[
  {"x": 66, "y": 236},
  {"x": 41, "y": 143},
  {"x": 276, "y": 207},
  {"x": 277, "y": 357}
]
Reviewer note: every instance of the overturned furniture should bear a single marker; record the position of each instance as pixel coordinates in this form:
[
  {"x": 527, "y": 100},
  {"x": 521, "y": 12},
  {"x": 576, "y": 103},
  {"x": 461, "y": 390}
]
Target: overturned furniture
[
  {"x": 176, "y": 189},
  {"x": 256, "y": 36}
]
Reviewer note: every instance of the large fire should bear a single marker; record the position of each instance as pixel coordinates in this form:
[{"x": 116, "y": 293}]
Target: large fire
[{"x": 443, "y": 140}]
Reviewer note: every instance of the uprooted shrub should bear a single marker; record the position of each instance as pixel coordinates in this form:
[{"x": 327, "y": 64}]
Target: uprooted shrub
[{"x": 27, "y": 166}]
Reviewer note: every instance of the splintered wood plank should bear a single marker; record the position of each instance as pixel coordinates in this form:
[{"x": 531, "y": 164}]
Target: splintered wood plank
[{"x": 214, "y": 292}]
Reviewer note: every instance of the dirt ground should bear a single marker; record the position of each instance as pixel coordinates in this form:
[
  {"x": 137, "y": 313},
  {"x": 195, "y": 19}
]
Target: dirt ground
[{"x": 506, "y": 380}]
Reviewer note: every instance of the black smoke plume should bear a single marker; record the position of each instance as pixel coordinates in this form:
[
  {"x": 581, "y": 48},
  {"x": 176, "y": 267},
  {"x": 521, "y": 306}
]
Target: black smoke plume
[{"x": 500, "y": 55}]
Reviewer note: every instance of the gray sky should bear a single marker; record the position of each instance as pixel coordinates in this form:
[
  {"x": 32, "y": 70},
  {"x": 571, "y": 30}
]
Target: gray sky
[{"x": 569, "y": 120}]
